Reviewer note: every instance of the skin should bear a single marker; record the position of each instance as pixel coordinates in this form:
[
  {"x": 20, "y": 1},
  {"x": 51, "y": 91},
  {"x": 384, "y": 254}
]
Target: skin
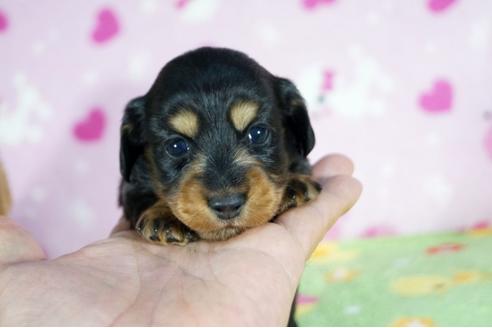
[{"x": 123, "y": 280}]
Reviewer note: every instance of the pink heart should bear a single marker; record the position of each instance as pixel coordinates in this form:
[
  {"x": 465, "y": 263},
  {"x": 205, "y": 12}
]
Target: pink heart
[
  {"x": 487, "y": 142},
  {"x": 439, "y": 99},
  {"x": 180, "y": 4},
  {"x": 106, "y": 28},
  {"x": 4, "y": 22},
  {"x": 484, "y": 224},
  {"x": 439, "y": 5},
  {"x": 378, "y": 231},
  {"x": 92, "y": 127},
  {"x": 328, "y": 76},
  {"x": 311, "y": 4}
]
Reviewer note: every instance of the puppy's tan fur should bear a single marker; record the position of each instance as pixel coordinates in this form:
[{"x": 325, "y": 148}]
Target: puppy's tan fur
[
  {"x": 185, "y": 122},
  {"x": 243, "y": 113}
]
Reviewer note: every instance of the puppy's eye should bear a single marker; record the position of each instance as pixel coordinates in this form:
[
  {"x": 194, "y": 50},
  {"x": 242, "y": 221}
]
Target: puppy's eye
[
  {"x": 258, "y": 134},
  {"x": 177, "y": 147}
]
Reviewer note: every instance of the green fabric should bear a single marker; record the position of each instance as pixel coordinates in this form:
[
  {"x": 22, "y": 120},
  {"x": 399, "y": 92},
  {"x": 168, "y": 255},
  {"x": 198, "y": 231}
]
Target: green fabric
[{"x": 432, "y": 280}]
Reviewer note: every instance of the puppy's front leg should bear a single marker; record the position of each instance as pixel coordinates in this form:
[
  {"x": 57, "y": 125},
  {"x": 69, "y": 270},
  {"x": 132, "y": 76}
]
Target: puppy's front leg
[
  {"x": 300, "y": 190},
  {"x": 157, "y": 224}
]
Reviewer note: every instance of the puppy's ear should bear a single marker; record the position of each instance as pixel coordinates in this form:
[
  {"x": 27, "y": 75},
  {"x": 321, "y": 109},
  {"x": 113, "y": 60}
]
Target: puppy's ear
[
  {"x": 132, "y": 141},
  {"x": 295, "y": 116}
]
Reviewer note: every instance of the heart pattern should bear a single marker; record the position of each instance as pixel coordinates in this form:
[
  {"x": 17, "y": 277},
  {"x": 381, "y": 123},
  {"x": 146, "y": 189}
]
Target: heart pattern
[
  {"x": 437, "y": 6},
  {"x": 180, "y": 4},
  {"x": 378, "y": 231},
  {"x": 439, "y": 99},
  {"x": 312, "y": 4},
  {"x": 430, "y": 106},
  {"x": 328, "y": 76},
  {"x": 107, "y": 26},
  {"x": 91, "y": 128},
  {"x": 4, "y": 22}
]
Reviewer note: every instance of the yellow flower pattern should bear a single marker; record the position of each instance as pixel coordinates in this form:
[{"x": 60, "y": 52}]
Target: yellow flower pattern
[
  {"x": 331, "y": 252},
  {"x": 417, "y": 281},
  {"x": 413, "y": 322}
]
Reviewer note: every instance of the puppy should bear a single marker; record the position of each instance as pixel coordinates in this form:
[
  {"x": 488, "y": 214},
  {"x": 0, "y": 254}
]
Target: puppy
[{"x": 216, "y": 146}]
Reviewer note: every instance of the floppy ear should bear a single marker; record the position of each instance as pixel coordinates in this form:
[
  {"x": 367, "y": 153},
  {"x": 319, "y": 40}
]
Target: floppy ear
[
  {"x": 296, "y": 119},
  {"x": 131, "y": 142}
]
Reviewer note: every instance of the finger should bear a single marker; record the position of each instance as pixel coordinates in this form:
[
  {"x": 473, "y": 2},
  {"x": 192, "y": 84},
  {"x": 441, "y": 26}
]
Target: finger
[
  {"x": 122, "y": 225},
  {"x": 16, "y": 244},
  {"x": 308, "y": 224},
  {"x": 334, "y": 164}
]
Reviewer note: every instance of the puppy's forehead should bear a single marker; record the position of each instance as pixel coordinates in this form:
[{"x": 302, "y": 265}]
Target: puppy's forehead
[
  {"x": 211, "y": 91},
  {"x": 191, "y": 120},
  {"x": 209, "y": 70}
]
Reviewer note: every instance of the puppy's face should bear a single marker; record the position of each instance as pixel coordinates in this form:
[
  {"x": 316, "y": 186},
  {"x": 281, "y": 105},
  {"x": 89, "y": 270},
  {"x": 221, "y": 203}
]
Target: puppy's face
[{"x": 213, "y": 132}]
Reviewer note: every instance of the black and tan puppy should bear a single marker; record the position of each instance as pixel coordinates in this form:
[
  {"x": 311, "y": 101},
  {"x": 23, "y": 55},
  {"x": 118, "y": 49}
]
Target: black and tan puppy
[{"x": 218, "y": 145}]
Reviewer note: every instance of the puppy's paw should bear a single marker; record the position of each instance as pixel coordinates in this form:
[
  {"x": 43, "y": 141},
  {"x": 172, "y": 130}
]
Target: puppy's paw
[
  {"x": 161, "y": 230},
  {"x": 300, "y": 190}
]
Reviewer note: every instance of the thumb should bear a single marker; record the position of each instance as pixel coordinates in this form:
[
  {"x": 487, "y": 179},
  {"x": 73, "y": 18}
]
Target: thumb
[{"x": 340, "y": 191}]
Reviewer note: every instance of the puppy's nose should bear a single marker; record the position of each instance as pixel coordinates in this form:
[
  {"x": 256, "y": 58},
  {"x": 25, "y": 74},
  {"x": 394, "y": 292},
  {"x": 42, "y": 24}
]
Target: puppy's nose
[{"x": 227, "y": 207}]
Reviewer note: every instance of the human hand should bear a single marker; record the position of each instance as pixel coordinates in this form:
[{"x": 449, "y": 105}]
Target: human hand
[{"x": 123, "y": 280}]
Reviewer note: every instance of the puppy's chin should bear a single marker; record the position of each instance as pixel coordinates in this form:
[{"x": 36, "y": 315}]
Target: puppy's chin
[
  {"x": 221, "y": 234},
  {"x": 189, "y": 205},
  {"x": 233, "y": 228}
]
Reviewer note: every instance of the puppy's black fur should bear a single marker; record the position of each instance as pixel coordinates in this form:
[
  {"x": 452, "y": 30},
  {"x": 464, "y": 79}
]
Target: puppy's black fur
[{"x": 216, "y": 146}]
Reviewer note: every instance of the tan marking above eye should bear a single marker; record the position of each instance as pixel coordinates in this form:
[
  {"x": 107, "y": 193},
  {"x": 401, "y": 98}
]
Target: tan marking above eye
[
  {"x": 243, "y": 113},
  {"x": 185, "y": 122}
]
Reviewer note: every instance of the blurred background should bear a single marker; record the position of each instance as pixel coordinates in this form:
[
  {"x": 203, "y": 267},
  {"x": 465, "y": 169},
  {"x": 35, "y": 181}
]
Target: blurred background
[{"x": 402, "y": 87}]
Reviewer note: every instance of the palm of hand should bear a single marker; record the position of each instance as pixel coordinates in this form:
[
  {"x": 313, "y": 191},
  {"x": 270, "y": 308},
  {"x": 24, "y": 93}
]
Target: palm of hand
[
  {"x": 126, "y": 281},
  {"x": 123, "y": 280}
]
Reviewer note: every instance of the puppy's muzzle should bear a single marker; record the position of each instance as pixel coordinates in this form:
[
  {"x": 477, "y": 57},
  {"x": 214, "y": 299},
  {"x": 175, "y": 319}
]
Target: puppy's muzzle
[{"x": 228, "y": 206}]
